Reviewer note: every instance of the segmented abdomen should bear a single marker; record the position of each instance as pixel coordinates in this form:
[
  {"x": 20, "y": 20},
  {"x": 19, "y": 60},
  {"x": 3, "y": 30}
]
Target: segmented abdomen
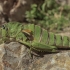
[{"x": 43, "y": 36}]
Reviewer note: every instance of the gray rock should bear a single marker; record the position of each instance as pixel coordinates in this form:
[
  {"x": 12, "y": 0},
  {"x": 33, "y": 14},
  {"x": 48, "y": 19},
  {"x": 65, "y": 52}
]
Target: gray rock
[
  {"x": 15, "y": 56},
  {"x": 2, "y": 52}
]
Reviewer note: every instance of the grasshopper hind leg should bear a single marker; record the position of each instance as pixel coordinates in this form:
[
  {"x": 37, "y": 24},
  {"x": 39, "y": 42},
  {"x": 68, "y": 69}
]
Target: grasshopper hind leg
[{"x": 30, "y": 51}]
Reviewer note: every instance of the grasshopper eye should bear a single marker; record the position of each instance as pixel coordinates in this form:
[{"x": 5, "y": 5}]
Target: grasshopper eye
[{"x": 3, "y": 26}]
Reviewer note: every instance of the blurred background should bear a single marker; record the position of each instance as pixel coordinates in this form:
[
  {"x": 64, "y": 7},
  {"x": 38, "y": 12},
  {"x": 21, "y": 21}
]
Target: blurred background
[{"x": 53, "y": 15}]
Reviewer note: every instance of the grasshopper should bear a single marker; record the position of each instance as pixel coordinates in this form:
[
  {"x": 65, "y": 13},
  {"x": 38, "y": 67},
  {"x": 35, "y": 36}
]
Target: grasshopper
[{"x": 34, "y": 36}]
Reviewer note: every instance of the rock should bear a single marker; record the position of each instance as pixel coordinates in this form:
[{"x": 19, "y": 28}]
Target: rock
[
  {"x": 14, "y": 10},
  {"x": 15, "y": 56},
  {"x": 2, "y": 52},
  {"x": 59, "y": 61},
  {"x": 11, "y": 56},
  {"x": 14, "y": 52}
]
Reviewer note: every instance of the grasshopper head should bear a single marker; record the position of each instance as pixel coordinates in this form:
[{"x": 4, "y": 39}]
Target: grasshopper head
[{"x": 28, "y": 34}]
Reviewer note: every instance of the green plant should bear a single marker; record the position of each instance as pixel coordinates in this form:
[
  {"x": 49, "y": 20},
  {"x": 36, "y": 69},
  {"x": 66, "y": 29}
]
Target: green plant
[
  {"x": 49, "y": 13},
  {"x": 31, "y": 14}
]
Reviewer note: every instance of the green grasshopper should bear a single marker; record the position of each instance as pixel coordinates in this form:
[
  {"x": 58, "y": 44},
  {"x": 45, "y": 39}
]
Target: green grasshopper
[{"x": 34, "y": 36}]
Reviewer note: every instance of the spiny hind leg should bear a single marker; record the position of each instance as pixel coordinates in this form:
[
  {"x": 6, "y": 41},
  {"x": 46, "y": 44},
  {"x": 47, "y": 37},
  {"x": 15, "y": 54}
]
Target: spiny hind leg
[{"x": 30, "y": 50}]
